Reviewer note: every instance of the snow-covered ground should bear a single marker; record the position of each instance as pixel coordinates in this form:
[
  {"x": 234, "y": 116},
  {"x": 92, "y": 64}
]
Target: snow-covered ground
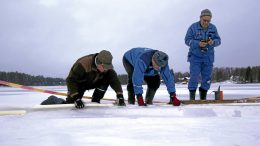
[{"x": 132, "y": 125}]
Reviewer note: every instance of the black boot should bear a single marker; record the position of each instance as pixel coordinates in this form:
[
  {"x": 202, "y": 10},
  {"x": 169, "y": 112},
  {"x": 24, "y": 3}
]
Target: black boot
[
  {"x": 131, "y": 97},
  {"x": 203, "y": 94},
  {"x": 131, "y": 94},
  {"x": 192, "y": 94},
  {"x": 97, "y": 95},
  {"x": 149, "y": 96}
]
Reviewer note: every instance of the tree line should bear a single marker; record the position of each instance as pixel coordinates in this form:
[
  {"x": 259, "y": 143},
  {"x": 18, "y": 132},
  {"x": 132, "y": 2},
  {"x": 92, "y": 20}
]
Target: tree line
[
  {"x": 238, "y": 75},
  {"x": 25, "y": 79}
]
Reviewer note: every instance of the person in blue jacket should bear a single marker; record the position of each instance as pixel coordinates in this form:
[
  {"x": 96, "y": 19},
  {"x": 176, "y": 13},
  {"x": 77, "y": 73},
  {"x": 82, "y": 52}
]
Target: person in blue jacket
[
  {"x": 145, "y": 64},
  {"x": 201, "y": 38}
]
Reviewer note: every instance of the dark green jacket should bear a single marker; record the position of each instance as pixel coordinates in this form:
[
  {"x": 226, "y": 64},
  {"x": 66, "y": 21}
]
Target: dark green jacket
[{"x": 84, "y": 75}]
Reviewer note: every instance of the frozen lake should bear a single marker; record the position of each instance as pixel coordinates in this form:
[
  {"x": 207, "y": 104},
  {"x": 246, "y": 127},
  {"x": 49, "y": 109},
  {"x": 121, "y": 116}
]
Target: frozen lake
[
  {"x": 20, "y": 97},
  {"x": 132, "y": 125}
]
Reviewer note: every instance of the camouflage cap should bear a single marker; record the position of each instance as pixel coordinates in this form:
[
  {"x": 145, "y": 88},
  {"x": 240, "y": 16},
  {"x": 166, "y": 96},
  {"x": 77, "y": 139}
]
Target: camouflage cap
[{"x": 105, "y": 57}]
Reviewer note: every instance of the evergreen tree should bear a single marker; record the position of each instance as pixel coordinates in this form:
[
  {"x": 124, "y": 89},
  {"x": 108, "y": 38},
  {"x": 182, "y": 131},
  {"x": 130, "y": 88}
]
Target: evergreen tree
[
  {"x": 248, "y": 75},
  {"x": 258, "y": 74}
]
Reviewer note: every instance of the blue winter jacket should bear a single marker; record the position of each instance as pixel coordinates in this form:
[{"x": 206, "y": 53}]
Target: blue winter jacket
[
  {"x": 140, "y": 59},
  {"x": 193, "y": 37}
]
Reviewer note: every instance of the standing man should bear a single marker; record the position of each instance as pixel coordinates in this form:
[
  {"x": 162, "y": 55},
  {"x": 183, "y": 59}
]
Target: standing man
[
  {"x": 148, "y": 64},
  {"x": 94, "y": 71},
  {"x": 201, "y": 37}
]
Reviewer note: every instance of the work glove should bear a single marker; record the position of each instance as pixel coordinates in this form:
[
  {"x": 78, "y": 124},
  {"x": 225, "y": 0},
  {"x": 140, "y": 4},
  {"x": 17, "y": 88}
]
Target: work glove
[
  {"x": 78, "y": 103},
  {"x": 174, "y": 100},
  {"x": 120, "y": 100},
  {"x": 140, "y": 100}
]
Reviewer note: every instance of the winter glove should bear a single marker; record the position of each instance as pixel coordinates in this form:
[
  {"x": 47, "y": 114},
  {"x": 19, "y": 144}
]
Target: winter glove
[
  {"x": 140, "y": 100},
  {"x": 174, "y": 100},
  {"x": 78, "y": 103},
  {"x": 120, "y": 100}
]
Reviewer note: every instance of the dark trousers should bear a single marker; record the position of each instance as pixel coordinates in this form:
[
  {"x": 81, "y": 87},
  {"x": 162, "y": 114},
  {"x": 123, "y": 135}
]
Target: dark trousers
[
  {"x": 100, "y": 87},
  {"x": 153, "y": 82}
]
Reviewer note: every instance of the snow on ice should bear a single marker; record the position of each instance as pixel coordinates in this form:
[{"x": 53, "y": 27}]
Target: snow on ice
[{"x": 189, "y": 125}]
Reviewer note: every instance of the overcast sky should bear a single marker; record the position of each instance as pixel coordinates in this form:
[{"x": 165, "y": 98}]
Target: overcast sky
[{"x": 45, "y": 37}]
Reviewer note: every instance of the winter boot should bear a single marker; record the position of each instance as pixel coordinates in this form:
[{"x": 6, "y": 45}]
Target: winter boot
[
  {"x": 192, "y": 94},
  {"x": 149, "y": 96},
  {"x": 98, "y": 94},
  {"x": 203, "y": 94},
  {"x": 131, "y": 97}
]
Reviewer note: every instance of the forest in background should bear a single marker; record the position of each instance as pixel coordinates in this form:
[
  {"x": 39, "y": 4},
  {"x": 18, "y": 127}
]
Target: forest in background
[
  {"x": 237, "y": 75},
  {"x": 26, "y": 79},
  {"x": 221, "y": 74}
]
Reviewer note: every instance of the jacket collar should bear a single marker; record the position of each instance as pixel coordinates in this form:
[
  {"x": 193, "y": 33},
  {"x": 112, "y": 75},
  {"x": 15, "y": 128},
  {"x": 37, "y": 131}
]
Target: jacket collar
[{"x": 93, "y": 64}]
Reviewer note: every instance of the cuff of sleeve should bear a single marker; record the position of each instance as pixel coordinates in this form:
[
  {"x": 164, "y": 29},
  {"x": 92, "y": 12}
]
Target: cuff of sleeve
[{"x": 172, "y": 93}]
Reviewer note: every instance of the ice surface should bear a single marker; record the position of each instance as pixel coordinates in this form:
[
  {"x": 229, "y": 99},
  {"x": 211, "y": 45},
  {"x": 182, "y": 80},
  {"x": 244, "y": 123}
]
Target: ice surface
[{"x": 131, "y": 125}]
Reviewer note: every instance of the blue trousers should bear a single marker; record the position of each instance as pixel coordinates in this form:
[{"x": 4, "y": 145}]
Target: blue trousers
[{"x": 197, "y": 68}]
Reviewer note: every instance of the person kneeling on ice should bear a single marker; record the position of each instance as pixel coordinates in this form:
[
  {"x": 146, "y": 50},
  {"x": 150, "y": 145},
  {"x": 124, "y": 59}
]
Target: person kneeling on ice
[
  {"x": 94, "y": 71},
  {"x": 148, "y": 64}
]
